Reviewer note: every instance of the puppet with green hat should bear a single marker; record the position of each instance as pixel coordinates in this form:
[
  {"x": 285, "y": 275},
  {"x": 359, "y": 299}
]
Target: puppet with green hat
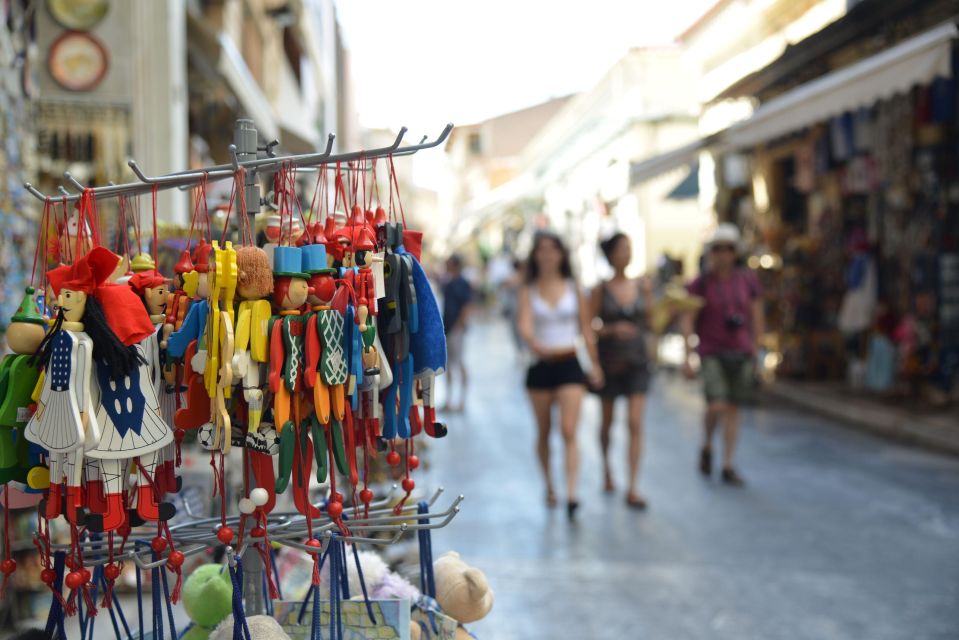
[{"x": 18, "y": 379}]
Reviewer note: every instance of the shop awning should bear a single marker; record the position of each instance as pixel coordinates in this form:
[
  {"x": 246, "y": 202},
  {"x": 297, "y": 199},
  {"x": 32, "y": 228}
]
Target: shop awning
[
  {"x": 682, "y": 157},
  {"x": 916, "y": 61}
]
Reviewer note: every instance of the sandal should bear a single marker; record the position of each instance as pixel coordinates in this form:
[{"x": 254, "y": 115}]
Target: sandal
[{"x": 636, "y": 502}]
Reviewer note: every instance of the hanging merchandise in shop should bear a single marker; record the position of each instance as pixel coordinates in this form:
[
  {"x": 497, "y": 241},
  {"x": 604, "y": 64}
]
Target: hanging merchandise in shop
[{"x": 315, "y": 357}]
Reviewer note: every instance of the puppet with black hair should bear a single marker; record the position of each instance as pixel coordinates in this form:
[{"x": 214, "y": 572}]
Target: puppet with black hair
[
  {"x": 128, "y": 412},
  {"x": 65, "y": 422}
]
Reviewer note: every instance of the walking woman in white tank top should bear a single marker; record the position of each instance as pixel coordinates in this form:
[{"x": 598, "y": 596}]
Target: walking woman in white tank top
[{"x": 552, "y": 319}]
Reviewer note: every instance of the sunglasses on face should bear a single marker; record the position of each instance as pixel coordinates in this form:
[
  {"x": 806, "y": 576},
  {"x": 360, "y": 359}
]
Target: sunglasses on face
[{"x": 722, "y": 247}]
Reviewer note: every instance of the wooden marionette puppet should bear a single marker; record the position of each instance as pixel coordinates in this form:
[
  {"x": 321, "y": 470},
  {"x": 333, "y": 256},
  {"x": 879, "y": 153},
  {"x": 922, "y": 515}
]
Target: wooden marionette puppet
[
  {"x": 66, "y": 422},
  {"x": 188, "y": 343},
  {"x": 18, "y": 378},
  {"x": 153, "y": 289},
  {"x": 398, "y": 321},
  {"x": 290, "y": 291},
  {"x": 325, "y": 373},
  {"x": 196, "y": 284},
  {"x": 132, "y": 428},
  {"x": 251, "y": 350},
  {"x": 428, "y": 349},
  {"x": 218, "y": 371}
]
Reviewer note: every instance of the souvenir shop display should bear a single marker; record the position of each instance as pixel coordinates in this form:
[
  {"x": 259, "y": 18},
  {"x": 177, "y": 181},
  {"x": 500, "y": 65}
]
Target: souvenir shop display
[{"x": 310, "y": 358}]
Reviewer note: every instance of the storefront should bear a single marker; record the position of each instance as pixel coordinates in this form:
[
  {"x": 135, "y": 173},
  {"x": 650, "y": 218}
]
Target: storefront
[{"x": 848, "y": 186}]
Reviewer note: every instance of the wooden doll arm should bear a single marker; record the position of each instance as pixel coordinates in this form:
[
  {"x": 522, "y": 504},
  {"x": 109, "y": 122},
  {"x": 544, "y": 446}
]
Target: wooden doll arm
[
  {"x": 311, "y": 351},
  {"x": 82, "y": 369},
  {"x": 259, "y": 323},
  {"x": 275, "y": 377},
  {"x": 243, "y": 327}
]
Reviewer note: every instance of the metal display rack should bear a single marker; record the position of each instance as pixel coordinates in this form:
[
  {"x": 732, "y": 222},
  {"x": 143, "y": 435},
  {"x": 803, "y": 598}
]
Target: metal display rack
[{"x": 287, "y": 529}]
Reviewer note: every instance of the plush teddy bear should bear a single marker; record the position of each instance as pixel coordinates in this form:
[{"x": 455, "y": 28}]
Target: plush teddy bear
[
  {"x": 461, "y": 591},
  {"x": 207, "y": 600},
  {"x": 261, "y": 628},
  {"x": 381, "y": 583}
]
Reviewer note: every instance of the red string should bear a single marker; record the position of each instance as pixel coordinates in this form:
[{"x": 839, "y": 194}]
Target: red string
[
  {"x": 395, "y": 182},
  {"x": 156, "y": 237},
  {"x": 41, "y": 241},
  {"x": 8, "y": 542},
  {"x": 107, "y": 601}
]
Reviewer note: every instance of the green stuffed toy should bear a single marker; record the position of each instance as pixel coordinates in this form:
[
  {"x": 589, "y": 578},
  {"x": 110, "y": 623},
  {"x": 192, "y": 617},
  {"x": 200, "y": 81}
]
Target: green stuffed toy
[{"x": 207, "y": 599}]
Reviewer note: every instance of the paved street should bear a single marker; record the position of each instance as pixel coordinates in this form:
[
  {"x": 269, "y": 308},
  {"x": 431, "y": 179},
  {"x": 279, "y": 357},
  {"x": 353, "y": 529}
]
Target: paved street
[{"x": 838, "y": 535}]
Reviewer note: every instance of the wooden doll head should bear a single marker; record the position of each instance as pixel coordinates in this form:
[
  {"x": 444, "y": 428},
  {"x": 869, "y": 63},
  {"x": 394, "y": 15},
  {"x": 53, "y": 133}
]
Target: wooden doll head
[
  {"x": 27, "y": 326},
  {"x": 155, "y": 299},
  {"x": 322, "y": 287},
  {"x": 24, "y": 337},
  {"x": 73, "y": 304},
  {"x": 153, "y": 290},
  {"x": 290, "y": 292},
  {"x": 255, "y": 277}
]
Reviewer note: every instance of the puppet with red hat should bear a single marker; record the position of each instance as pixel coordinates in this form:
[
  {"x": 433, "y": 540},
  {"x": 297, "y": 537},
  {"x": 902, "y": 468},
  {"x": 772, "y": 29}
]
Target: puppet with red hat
[
  {"x": 66, "y": 422},
  {"x": 131, "y": 425},
  {"x": 153, "y": 289}
]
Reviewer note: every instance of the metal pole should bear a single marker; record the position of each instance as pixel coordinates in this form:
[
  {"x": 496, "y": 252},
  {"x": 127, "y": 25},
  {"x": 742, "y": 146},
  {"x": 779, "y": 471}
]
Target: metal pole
[{"x": 245, "y": 140}]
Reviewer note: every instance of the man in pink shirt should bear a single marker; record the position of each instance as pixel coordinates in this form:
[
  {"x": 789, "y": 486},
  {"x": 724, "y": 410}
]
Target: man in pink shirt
[{"x": 729, "y": 325}]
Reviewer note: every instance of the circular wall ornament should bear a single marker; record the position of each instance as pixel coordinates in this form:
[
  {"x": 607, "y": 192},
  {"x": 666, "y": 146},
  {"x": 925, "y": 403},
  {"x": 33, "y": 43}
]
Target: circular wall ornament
[
  {"x": 77, "y": 61},
  {"x": 79, "y": 15}
]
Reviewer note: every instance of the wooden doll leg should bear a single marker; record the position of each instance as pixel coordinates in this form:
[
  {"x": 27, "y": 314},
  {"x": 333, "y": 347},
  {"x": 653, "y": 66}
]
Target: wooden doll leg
[
  {"x": 148, "y": 504},
  {"x": 75, "y": 503},
  {"x": 54, "y": 499},
  {"x": 113, "y": 475},
  {"x": 321, "y": 400},
  {"x": 281, "y": 407},
  {"x": 96, "y": 497},
  {"x": 339, "y": 401}
]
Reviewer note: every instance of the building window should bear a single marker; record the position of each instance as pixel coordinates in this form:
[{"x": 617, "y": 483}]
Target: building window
[{"x": 475, "y": 144}]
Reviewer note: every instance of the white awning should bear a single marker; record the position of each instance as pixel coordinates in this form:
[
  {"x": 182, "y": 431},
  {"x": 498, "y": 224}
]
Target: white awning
[
  {"x": 916, "y": 61},
  {"x": 681, "y": 157}
]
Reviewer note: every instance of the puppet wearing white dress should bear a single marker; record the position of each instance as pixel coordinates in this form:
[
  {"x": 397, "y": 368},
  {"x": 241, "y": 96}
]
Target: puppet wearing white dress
[
  {"x": 153, "y": 289},
  {"x": 65, "y": 423}
]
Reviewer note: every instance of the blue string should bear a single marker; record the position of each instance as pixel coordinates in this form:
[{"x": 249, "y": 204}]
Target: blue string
[
  {"x": 81, "y": 615},
  {"x": 266, "y": 596},
  {"x": 427, "y": 580},
  {"x": 366, "y": 595},
  {"x": 55, "y": 616},
  {"x": 299, "y": 617},
  {"x": 240, "y": 629},
  {"x": 139, "y": 595},
  {"x": 116, "y": 610},
  {"x": 316, "y": 629},
  {"x": 157, "y": 606},
  {"x": 123, "y": 619},
  {"x": 169, "y": 605},
  {"x": 335, "y": 628},
  {"x": 96, "y": 580},
  {"x": 279, "y": 591}
]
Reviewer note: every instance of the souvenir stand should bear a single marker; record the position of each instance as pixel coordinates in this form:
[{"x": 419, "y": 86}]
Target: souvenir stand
[{"x": 313, "y": 355}]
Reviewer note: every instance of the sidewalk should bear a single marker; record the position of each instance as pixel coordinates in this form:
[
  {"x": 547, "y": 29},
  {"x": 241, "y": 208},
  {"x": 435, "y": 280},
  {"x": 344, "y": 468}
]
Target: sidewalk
[{"x": 930, "y": 429}]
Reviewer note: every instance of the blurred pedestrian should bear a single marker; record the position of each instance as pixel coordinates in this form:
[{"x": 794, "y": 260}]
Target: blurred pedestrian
[
  {"x": 510, "y": 295},
  {"x": 729, "y": 325},
  {"x": 457, "y": 302},
  {"x": 620, "y": 309},
  {"x": 553, "y": 321}
]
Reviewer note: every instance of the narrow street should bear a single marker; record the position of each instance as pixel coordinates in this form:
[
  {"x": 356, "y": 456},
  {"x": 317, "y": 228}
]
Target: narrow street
[{"x": 838, "y": 535}]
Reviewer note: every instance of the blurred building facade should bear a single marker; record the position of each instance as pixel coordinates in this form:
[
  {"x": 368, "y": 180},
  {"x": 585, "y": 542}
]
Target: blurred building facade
[
  {"x": 574, "y": 175},
  {"x": 177, "y": 74}
]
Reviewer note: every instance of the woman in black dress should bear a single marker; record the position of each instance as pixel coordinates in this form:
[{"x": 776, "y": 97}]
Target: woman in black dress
[{"x": 620, "y": 308}]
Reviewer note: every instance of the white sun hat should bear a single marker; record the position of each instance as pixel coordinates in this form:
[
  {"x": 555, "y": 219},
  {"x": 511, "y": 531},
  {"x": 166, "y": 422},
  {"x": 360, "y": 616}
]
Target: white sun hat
[{"x": 726, "y": 233}]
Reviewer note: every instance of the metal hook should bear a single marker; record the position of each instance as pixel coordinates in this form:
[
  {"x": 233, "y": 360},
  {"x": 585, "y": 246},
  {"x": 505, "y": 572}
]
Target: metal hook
[{"x": 76, "y": 183}]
